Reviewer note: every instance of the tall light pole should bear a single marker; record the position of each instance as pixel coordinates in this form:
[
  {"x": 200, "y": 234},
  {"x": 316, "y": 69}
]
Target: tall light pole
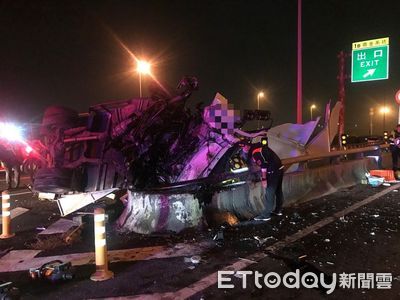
[
  {"x": 311, "y": 110},
  {"x": 259, "y": 95},
  {"x": 384, "y": 110},
  {"x": 299, "y": 67},
  {"x": 143, "y": 67}
]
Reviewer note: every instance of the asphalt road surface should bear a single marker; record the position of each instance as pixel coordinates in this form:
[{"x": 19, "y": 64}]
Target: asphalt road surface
[{"x": 351, "y": 235}]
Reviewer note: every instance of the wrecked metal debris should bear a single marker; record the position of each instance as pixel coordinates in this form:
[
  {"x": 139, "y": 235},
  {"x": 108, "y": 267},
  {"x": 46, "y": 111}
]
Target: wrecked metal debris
[{"x": 53, "y": 271}]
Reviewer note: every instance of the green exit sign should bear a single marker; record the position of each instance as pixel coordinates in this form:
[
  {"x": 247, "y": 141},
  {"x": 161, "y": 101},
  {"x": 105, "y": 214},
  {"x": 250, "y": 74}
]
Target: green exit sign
[{"x": 370, "y": 60}]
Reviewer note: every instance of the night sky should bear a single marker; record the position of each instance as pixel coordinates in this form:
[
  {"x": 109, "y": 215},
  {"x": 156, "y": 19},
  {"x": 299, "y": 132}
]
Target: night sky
[{"x": 65, "y": 52}]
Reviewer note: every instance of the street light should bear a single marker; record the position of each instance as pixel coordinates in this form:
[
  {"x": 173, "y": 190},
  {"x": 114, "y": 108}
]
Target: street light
[
  {"x": 313, "y": 106},
  {"x": 143, "y": 67},
  {"x": 384, "y": 110},
  {"x": 259, "y": 95}
]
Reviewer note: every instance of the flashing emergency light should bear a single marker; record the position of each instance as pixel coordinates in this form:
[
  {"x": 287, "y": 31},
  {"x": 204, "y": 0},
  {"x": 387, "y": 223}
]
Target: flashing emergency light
[
  {"x": 11, "y": 132},
  {"x": 344, "y": 139},
  {"x": 264, "y": 141}
]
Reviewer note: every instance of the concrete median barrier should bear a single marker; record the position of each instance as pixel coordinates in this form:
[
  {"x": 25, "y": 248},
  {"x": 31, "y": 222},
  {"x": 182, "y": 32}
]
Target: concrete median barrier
[
  {"x": 246, "y": 201},
  {"x": 149, "y": 213}
]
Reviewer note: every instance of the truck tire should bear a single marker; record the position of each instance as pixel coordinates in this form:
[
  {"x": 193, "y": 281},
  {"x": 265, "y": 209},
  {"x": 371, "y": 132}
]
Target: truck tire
[{"x": 53, "y": 180}]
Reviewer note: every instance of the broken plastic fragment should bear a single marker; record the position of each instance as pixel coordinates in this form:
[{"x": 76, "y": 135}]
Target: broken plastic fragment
[
  {"x": 375, "y": 181},
  {"x": 262, "y": 241},
  {"x": 195, "y": 259}
]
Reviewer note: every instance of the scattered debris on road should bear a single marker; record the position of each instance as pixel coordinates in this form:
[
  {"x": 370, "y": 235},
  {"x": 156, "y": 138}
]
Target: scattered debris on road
[
  {"x": 53, "y": 271},
  {"x": 262, "y": 241}
]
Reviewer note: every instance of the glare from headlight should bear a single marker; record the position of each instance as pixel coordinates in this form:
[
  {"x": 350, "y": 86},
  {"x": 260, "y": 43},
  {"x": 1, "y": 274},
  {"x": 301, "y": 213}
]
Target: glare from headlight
[{"x": 11, "y": 132}]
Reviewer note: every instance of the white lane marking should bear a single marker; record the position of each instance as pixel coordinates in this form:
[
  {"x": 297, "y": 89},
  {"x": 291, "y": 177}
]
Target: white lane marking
[
  {"x": 135, "y": 254},
  {"x": 212, "y": 278}
]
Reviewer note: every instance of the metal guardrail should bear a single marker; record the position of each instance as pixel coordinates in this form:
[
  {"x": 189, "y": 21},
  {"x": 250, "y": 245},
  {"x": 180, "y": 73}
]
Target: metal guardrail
[
  {"x": 336, "y": 153},
  {"x": 287, "y": 162}
]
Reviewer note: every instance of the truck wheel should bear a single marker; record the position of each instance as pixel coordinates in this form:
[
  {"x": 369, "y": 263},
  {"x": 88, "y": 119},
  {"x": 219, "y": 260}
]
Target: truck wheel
[{"x": 53, "y": 180}]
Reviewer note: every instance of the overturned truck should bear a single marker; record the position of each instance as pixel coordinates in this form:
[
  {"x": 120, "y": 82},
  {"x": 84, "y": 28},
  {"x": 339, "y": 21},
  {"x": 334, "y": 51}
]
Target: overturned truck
[{"x": 169, "y": 159}]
